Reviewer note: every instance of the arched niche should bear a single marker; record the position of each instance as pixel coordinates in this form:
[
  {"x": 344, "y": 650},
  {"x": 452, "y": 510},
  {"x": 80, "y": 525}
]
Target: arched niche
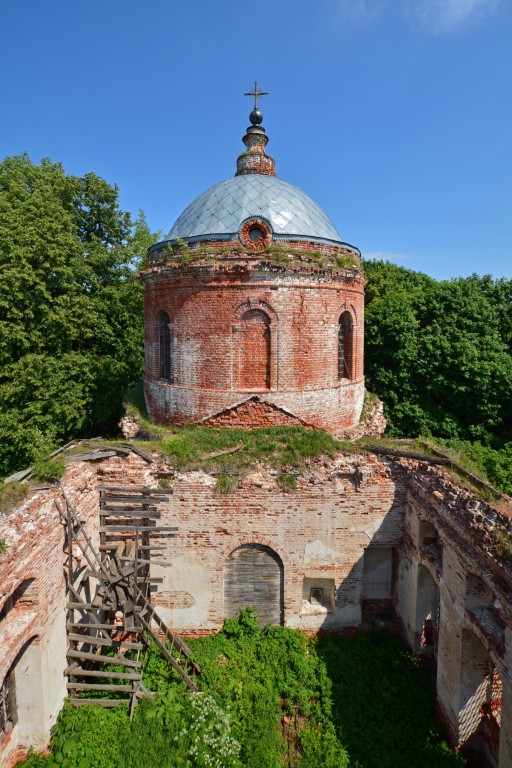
[
  {"x": 481, "y": 692},
  {"x": 165, "y": 361},
  {"x": 253, "y": 576},
  {"x": 346, "y": 346},
  {"x": 21, "y": 697},
  {"x": 254, "y": 350},
  {"x": 427, "y": 611},
  {"x": 254, "y": 346}
]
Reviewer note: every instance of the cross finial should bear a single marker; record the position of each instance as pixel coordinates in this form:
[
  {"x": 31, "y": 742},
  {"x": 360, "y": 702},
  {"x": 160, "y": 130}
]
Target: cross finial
[{"x": 256, "y": 93}]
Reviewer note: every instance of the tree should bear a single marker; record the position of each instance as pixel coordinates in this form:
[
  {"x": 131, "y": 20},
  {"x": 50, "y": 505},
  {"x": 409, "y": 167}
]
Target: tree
[
  {"x": 438, "y": 353},
  {"x": 71, "y": 331}
]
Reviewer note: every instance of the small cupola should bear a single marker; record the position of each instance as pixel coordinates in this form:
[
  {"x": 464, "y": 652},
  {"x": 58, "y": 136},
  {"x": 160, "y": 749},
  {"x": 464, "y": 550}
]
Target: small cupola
[{"x": 255, "y": 159}]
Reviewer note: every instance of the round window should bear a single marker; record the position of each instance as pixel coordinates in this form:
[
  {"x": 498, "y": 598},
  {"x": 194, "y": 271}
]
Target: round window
[{"x": 255, "y": 234}]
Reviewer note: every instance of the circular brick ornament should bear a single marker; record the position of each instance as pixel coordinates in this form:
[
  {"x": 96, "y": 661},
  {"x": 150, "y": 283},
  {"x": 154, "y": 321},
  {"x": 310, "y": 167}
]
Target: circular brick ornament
[{"x": 255, "y": 234}]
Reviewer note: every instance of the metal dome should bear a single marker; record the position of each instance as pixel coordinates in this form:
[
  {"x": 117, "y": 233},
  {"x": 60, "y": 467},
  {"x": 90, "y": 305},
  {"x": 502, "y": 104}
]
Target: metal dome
[{"x": 222, "y": 209}]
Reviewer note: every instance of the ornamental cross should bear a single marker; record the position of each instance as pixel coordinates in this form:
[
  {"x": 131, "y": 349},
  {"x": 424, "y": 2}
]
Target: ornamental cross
[{"x": 256, "y": 93}]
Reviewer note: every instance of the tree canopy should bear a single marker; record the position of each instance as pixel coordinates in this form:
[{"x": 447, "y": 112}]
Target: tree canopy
[
  {"x": 439, "y": 353},
  {"x": 71, "y": 336}
]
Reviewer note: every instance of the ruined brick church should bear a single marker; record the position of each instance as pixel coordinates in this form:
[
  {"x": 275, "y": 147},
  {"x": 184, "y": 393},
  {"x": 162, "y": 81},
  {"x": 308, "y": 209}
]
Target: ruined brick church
[{"x": 254, "y": 317}]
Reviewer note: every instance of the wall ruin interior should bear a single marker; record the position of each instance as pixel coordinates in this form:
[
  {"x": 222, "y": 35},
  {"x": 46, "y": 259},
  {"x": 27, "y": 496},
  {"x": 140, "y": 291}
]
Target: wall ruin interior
[{"x": 363, "y": 539}]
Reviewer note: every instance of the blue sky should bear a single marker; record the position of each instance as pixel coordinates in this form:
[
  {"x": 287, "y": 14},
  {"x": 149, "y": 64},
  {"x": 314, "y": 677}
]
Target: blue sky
[{"x": 394, "y": 115}]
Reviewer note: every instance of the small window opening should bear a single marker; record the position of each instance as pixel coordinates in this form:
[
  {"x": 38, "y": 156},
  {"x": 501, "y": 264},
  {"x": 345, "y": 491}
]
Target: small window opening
[
  {"x": 164, "y": 336},
  {"x": 345, "y": 346},
  {"x": 255, "y": 233}
]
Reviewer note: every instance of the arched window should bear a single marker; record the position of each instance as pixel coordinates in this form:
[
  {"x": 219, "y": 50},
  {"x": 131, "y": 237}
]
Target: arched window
[
  {"x": 164, "y": 346},
  {"x": 345, "y": 346},
  {"x": 254, "y": 350}
]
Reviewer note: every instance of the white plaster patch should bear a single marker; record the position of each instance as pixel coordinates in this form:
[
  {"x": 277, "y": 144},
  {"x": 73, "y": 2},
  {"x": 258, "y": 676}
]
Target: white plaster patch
[
  {"x": 188, "y": 576},
  {"x": 318, "y": 553}
]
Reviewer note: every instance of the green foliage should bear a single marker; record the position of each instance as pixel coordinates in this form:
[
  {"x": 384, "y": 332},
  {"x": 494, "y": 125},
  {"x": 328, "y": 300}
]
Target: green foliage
[
  {"x": 226, "y": 484},
  {"x": 338, "y": 697},
  {"x": 382, "y": 707},
  {"x": 3, "y": 546},
  {"x": 11, "y": 494},
  {"x": 503, "y": 544},
  {"x": 48, "y": 470},
  {"x": 36, "y": 760},
  {"x": 89, "y": 737},
  {"x": 294, "y": 257},
  {"x": 286, "y": 481},
  {"x": 320, "y": 746},
  {"x": 70, "y": 307},
  {"x": 494, "y": 465},
  {"x": 439, "y": 354},
  {"x": 198, "y": 447}
]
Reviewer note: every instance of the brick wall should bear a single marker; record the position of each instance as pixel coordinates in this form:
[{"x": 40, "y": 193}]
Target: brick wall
[
  {"x": 240, "y": 328},
  {"x": 323, "y": 533}
]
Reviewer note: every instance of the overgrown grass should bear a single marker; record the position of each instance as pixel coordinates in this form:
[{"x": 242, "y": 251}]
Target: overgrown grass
[
  {"x": 272, "y": 699},
  {"x": 11, "y": 494},
  {"x": 226, "y": 484},
  {"x": 198, "y": 447}
]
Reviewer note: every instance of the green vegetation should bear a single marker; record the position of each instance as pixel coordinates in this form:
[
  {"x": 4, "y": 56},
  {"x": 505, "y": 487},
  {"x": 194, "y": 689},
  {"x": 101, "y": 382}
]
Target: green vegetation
[
  {"x": 382, "y": 704},
  {"x": 272, "y": 699},
  {"x": 226, "y": 484},
  {"x": 3, "y": 546},
  {"x": 503, "y": 544},
  {"x": 48, "y": 470},
  {"x": 231, "y": 451},
  {"x": 70, "y": 307},
  {"x": 273, "y": 254},
  {"x": 286, "y": 481},
  {"x": 11, "y": 494},
  {"x": 439, "y": 355}
]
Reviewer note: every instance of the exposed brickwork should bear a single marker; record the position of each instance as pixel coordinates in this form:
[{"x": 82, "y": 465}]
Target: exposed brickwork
[
  {"x": 218, "y": 356},
  {"x": 254, "y": 413},
  {"x": 36, "y": 550},
  {"x": 431, "y": 531}
]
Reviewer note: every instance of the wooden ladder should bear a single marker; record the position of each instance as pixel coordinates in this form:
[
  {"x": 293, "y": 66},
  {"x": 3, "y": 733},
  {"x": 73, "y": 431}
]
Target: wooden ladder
[{"x": 110, "y": 581}]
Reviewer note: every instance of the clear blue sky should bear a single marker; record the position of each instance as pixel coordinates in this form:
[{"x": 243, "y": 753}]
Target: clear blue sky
[{"x": 394, "y": 115}]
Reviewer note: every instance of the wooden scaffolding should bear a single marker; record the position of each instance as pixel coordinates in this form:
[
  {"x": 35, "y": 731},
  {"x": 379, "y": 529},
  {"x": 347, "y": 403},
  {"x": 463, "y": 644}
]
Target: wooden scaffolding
[{"x": 110, "y": 619}]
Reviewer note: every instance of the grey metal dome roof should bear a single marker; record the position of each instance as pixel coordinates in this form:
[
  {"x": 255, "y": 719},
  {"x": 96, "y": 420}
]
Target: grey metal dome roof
[{"x": 222, "y": 209}]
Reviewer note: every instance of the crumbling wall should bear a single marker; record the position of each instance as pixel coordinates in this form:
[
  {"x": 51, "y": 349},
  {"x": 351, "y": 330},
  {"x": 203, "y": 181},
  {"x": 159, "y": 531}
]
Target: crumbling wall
[
  {"x": 360, "y": 536},
  {"x": 450, "y": 545},
  {"x": 32, "y": 598}
]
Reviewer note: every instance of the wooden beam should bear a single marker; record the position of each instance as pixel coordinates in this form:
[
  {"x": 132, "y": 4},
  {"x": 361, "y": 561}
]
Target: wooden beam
[
  {"x": 134, "y": 489},
  {"x": 107, "y": 547},
  {"x": 140, "y": 528},
  {"x": 79, "y": 672},
  {"x": 127, "y": 498},
  {"x": 72, "y": 654},
  {"x": 150, "y": 513},
  {"x": 110, "y": 642},
  {"x": 77, "y": 625},
  {"x": 99, "y": 687},
  {"x": 144, "y": 454}
]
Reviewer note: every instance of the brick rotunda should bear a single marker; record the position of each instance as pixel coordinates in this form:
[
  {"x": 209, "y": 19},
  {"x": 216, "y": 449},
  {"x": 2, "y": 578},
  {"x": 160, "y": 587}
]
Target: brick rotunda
[{"x": 254, "y": 307}]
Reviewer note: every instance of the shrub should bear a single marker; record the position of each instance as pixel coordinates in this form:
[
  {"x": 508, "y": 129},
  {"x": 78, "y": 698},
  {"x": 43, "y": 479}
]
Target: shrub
[
  {"x": 286, "y": 481},
  {"x": 49, "y": 470},
  {"x": 226, "y": 484}
]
